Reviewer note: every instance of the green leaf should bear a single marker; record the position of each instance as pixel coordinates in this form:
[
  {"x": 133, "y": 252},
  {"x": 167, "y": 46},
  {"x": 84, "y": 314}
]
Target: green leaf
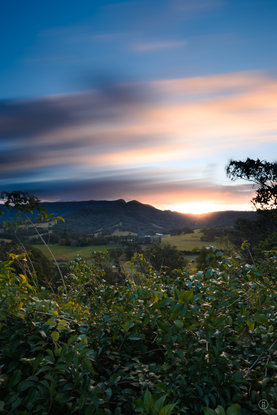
[
  {"x": 83, "y": 339},
  {"x": 219, "y": 410},
  {"x": 139, "y": 405},
  {"x": 51, "y": 322},
  {"x": 114, "y": 379},
  {"x": 55, "y": 335},
  {"x": 234, "y": 409},
  {"x": 37, "y": 362},
  {"x": 127, "y": 326},
  {"x": 115, "y": 333},
  {"x": 177, "y": 293},
  {"x": 208, "y": 411},
  {"x": 136, "y": 336},
  {"x": 49, "y": 351},
  {"x": 260, "y": 318},
  {"x": 15, "y": 378},
  {"x": 88, "y": 366},
  {"x": 25, "y": 385},
  {"x": 158, "y": 405},
  {"x": 164, "y": 326},
  {"x": 72, "y": 339},
  {"x": 178, "y": 323},
  {"x": 180, "y": 354},
  {"x": 49, "y": 377},
  {"x": 209, "y": 272},
  {"x": 148, "y": 401},
  {"x": 16, "y": 403},
  {"x": 90, "y": 410},
  {"x": 2, "y": 403},
  {"x": 250, "y": 324},
  {"x": 60, "y": 218},
  {"x": 187, "y": 296},
  {"x": 167, "y": 409}
]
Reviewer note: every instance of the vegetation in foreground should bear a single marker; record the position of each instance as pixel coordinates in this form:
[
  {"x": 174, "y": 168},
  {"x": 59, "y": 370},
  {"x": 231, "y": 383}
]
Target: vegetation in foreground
[{"x": 181, "y": 342}]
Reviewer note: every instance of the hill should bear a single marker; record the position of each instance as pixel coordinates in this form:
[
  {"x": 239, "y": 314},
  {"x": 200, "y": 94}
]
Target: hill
[{"x": 92, "y": 216}]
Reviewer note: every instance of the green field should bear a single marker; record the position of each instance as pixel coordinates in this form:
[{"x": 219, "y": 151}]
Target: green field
[
  {"x": 187, "y": 242},
  {"x": 122, "y": 233},
  {"x": 67, "y": 253}
]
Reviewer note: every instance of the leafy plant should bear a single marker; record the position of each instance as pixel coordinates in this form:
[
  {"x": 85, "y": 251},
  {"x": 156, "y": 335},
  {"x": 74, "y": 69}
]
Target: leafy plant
[{"x": 26, "y": 205}]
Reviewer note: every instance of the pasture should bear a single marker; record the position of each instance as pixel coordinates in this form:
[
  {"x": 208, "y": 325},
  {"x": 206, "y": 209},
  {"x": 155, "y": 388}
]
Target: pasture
[
  {"x": 67, "y": 253},
  {"x": 188, "y": 241},
  {"x": 122, "y": 233},
  {"x": 182, "y": 242}
]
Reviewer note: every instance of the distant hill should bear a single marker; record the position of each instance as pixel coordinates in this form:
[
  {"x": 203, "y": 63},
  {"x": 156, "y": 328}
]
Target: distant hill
[{"x": 92, "y": 216}]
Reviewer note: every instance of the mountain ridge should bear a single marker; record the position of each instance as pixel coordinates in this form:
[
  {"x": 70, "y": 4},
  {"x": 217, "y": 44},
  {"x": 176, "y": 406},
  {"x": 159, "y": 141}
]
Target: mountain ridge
[{"x": 91, "y": 215}]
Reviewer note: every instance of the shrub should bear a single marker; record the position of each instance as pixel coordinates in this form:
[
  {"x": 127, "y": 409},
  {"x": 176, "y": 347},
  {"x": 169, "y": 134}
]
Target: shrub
[{"x": 188, "y": 343}]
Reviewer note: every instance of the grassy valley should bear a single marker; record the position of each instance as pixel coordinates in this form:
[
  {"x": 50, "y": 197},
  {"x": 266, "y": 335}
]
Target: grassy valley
[
  {"x": 182, "y": 242},
  {"x": 67, "y": 253}
]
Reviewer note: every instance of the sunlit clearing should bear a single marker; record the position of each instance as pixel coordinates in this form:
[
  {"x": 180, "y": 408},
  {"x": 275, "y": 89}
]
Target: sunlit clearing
[{"x": 205, "y": 207}]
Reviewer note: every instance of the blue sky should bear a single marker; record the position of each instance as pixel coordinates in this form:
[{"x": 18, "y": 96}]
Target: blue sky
[{"x": 144, "y": 100}]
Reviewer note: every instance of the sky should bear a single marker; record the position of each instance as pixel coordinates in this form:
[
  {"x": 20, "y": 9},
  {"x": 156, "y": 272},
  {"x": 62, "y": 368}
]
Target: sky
[{"x": 137, "y": 100}]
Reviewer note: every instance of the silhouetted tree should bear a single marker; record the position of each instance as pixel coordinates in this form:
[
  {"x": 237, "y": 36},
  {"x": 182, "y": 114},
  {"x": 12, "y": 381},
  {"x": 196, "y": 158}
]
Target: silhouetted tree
[
  {"x": 263, "y": 174},
  {"x": 260, "y": 173}
]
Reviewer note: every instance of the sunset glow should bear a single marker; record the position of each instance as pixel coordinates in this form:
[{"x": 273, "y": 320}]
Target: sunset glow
[{"x": 205, "y": 207}]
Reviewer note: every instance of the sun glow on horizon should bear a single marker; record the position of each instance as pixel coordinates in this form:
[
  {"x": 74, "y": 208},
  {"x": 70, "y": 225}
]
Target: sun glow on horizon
[{"x": 198, "y": 208}]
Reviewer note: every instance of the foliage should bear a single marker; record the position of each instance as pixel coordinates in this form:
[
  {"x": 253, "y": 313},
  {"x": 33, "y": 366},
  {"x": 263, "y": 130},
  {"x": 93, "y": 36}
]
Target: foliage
[
  {"x": 261, "y": 173},
  {"x": 25, "y": 205},
  {"x": 180, "y": 231},
  {"x": 207, "y": 258},
  {"x": 209, "y": 234},
  {"x": 35, "y": 260},
  {"x": 165, "y": 257},
  {"x": 254, "y": 232},
  {"x": 180, "y": 344}
]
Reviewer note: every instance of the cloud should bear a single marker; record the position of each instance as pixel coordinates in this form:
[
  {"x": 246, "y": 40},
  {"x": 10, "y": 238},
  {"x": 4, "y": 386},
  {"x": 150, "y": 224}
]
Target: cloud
[
  {"x": 32, "y": 117},
  {"x": 150, "y": 47},
  {"x": 147, "y": 188},
  {"x": 227, "y": 83},
  {"x": 109, "y": 140},
  {"x": 48, "y": 58},
  {"x": 197, "y": 5}
]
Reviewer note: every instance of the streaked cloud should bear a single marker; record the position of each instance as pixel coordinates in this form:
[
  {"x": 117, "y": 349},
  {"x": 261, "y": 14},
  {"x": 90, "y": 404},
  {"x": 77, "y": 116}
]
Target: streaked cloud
[
  {"x": 147, "y": 188},
  {"x": 150, "y": 47},
  {"x": 197, "y": 5},
  {"x": 122, "y": 140},
  {"x": 48, "y": 58}
]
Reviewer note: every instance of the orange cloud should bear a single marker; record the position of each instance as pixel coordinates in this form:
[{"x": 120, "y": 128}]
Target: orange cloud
[{"x": 230, "y": 108}]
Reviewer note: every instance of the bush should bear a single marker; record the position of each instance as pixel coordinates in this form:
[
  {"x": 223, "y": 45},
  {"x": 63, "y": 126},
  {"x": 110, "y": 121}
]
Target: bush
[
  {"x": 165, "y": 257},
  {"x": 185, "y": 342}
]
